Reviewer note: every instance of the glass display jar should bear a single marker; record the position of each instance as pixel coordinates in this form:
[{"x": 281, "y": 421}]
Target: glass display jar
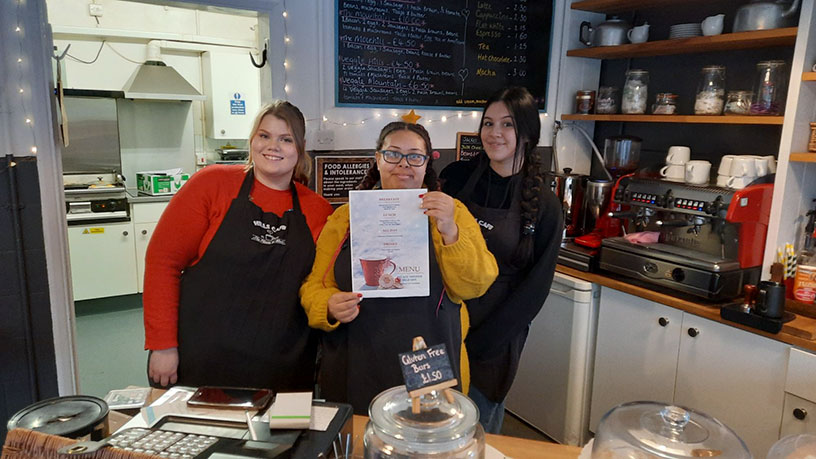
[
  {"x": 770, "y": 88},
  {"x": 654, "y": 430},
  {"x": 584, "y": 101},
  {"x": 711, "y": 91},
  {"x": 607, "y": 100},
  {"x": 635, "y": 92},
  {"x": 738, "y": 103},
  {"x": 665, "y": 104},
  {"x": 441, "y": 429}
]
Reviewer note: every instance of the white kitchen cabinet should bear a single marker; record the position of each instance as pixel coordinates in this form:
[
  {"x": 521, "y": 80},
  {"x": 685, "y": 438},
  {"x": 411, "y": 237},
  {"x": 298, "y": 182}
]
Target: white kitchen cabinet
[
  {"x": 103, "y": 260},
  {"x": 145, "y": 217},
  {"x": 232, "y": 86},
  {"x": 799, "y": 414},
  {"x": 731, "y": 374}
]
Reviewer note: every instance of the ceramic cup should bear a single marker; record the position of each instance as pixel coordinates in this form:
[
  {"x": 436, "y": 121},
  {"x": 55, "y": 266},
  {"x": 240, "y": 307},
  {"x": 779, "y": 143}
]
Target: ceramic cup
[
  {"x": 712, "y": 25},
  {"x": 739, "y": 183},
  {"x": 725, "y": 165},
  {"x": 373, "y": 269},
  {"x": 697, "y": 172},
  {"x": 722, "y": 181},
  {"x": 678, "y": 155},
  {"x": 771, "y": 164},
  {"x": 674, "y": 172},
  {"x": 742, "y": 166},
  {"x": 639, "y": 34},
  {"x": 761, "y": 165}
]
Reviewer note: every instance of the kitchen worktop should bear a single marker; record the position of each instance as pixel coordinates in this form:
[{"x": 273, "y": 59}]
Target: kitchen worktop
[
  {"x": 800, "y": 332},
  {"x": 133, "y": 196}
]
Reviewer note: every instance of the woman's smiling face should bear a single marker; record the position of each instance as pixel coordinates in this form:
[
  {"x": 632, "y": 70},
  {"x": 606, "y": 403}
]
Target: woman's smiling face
[
  {"x": 498, "y": 135},
  {"x": 274, "y": 153},
  {"x": 402, "y": 175}
]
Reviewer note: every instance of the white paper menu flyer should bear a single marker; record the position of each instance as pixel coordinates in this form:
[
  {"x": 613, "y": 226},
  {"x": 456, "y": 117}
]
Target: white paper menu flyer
[{"x": 389, "y": 243}]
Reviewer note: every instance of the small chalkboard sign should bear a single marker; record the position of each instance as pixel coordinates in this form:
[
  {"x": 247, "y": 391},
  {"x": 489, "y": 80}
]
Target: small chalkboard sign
[
  {"x": 336, "y": 175},
  {"x": 427, "y": 369},
  {"x": 468, "y": 145}
]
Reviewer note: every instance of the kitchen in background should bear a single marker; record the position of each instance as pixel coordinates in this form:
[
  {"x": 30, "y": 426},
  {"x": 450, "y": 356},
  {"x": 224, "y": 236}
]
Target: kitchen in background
[{"x": 124, "y": 114}]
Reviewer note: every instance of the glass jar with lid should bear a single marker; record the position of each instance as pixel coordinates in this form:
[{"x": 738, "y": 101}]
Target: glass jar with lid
[
  {"x": 441, "y": 429},
  {"x": 607, "y": 100},
  {"x": 665, "y": 104},
  {"x": 655, "y": 430},
  {"x": 584, "y": 101},
  {"x": 770, "y": 88},
  {"x": 738, "y": 103},
  {"x": 711, "y": 91},
  {"x": 635, "y": 92}
]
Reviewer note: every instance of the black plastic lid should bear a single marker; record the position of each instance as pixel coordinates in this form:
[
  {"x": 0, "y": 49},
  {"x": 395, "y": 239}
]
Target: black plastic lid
[{"x": 72, "y": 416}]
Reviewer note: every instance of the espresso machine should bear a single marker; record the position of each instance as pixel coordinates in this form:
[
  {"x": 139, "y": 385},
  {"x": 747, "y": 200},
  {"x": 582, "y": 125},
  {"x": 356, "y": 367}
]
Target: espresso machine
[{"x": 710, "y": 240}]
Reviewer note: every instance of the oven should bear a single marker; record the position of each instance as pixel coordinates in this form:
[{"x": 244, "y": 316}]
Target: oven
[{"x": 95, "y": 198}]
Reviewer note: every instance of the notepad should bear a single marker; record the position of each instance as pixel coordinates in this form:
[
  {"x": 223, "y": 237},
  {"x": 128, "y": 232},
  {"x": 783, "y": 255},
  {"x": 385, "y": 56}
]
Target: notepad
[{"x": 291, "y": 410}]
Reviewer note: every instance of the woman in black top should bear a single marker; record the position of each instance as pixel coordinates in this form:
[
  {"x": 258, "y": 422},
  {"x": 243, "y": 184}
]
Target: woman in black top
[{"x": 521, "y": 221}]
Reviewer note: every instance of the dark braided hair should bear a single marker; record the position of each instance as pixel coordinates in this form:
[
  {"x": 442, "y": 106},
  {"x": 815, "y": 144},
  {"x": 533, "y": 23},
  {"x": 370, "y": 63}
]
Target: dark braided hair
[
  {"x": 524, "y": 110},
  {"x": 373, "y": 176}
]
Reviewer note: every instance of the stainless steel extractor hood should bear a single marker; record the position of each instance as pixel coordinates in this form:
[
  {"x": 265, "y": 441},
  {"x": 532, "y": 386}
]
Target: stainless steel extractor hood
[{"x": 157, "y": 81}]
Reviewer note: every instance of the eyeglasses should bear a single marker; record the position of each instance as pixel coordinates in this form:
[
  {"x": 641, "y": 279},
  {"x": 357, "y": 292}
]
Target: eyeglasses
[{"x": 395, "y": 157}]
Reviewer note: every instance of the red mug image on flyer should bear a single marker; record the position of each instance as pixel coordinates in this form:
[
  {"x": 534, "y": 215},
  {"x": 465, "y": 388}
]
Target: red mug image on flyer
[{"x": 374, "y": 269}]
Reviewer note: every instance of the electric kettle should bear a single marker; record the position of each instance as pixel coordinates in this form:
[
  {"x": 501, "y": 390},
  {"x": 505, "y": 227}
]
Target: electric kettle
[{"x": 608, "y": 33}]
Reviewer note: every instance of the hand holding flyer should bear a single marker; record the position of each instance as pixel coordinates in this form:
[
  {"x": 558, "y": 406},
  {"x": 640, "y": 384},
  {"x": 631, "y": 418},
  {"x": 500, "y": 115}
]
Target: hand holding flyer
[{"x": 389, "y": 243}]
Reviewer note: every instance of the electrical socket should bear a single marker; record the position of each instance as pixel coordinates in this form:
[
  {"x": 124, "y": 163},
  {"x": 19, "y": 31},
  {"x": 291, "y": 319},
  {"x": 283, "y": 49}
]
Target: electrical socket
[
  {"x": 95, "y": 9},
  {"x": 324, "y": 138}
]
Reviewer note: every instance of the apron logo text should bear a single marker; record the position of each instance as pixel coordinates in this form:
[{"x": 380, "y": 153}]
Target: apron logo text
[
  {"x": 486, "y": 225},
  {"x": 269, "y": 238}
]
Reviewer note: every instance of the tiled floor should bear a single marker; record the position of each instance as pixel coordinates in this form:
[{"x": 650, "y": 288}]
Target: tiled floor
[{"x": 110, "y": 343}]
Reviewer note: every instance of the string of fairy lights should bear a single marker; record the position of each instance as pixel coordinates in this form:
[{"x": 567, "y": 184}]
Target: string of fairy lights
[{"x": 22, "y": 64}]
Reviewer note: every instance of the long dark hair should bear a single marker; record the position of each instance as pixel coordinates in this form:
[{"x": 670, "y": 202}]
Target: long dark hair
[
  {"x": 373, "y": 176},
  {"x": 524, "y": 110}
]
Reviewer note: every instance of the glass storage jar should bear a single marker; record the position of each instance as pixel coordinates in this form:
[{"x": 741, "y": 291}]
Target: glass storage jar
[
  {"x": 711, "y": 91},
  {"x": 738, "y": 103},
  {"x": 440, "y": 430},
  {"x": 635, "y": 91},
  {"x": 770, "y": 88},
  {"x": 607, "y": 100},
  {"x": 584, "y": 101},
  {"x": 665, "y": 104}
]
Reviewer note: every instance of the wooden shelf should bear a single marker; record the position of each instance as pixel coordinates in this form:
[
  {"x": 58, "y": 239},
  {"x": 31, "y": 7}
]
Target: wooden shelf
[
  {"x": 808, "y": 157},
  {"x": 618, "y": 6},
  {"x": 809, "y": 76},
  {"x": 724, "y": 42},
  {"x": 689, "y": 119}
]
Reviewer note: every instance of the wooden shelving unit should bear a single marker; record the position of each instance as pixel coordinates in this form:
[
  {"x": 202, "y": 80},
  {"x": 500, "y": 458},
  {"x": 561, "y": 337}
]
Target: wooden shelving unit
[
  {"x": 809, "y": 76},
  {"x": 723, "y": 42},
  {"x": 689, "y": 119},
  {"x": 807, "y": 157},
  {"x": 618, "y": 6}
]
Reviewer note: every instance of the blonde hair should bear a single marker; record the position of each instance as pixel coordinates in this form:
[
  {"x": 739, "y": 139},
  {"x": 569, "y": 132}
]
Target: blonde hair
[{"x": 293, "y": 118}]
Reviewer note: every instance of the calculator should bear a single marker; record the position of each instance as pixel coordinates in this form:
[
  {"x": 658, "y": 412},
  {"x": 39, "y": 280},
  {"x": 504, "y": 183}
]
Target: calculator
[{"x": 162, "y": 443}]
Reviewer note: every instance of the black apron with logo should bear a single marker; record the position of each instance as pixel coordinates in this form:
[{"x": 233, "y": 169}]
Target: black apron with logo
[
  {"x": 359, "y": 359},
  {"x": 493, "y": 374},
  {"x": 240, "y": 319}
]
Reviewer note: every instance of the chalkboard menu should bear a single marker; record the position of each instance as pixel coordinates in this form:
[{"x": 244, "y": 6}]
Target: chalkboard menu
[
  {"x": 426, "y": 368},
  {"x": 451, "y": 53},
  {"x": 336, "y": 175},
  {"x": 468, "y": 145}
]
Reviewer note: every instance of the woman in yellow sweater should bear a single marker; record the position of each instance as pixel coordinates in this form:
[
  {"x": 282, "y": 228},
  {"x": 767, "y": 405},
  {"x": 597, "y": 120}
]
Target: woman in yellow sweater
[{"x": 364, "y": 336}]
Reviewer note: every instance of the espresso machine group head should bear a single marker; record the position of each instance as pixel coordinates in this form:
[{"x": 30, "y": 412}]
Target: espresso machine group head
[{"x": 710, "y": 240}]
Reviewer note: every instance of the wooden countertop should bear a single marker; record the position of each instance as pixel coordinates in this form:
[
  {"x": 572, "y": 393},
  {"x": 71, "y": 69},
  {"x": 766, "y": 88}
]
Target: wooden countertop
[
  {"x": 800, "y": 332},
  {"x": 509, "y": 446}
]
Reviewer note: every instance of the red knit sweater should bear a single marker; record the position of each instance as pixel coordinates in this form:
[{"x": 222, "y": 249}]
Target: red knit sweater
[{"x": 185, "y": 230}]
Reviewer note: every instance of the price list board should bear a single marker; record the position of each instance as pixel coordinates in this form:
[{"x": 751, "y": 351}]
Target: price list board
[{"x": 443, "y": 53}]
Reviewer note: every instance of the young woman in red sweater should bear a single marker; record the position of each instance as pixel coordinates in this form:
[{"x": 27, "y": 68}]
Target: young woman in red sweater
[{"x": 225, "y": 263}]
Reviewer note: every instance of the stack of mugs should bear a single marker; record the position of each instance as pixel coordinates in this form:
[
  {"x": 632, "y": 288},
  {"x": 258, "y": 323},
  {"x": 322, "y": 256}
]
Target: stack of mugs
[
  {"x": 681, "y": 168},
  {"x": 738, "y": 171}
]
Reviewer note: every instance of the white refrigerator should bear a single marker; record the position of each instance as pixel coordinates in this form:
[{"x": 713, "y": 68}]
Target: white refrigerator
[{"x": 553, "y": 386}]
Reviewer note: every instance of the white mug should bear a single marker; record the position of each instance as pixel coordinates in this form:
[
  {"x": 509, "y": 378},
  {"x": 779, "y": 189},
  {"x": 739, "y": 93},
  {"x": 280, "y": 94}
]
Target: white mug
[
  {"x": 673, "y": 172},
  {"x": 722, "y": 180},
  {"x": 742, "y": 166},
  {"x": 712, "y": 25},
  {"x": 771, "y": 164},
  {"x": 697, "y": 172},
  {"x": 639, "y": 34},
  {"x": 739, "y": 183},
  {"x": 678, "y": 155},
  {"x": 761, "y": 164},
  {"x": 725, "y": 165}
]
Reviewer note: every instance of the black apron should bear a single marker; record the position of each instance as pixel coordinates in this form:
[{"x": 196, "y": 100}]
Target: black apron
[
  {"x": 240, "y": 319},
  {"x": 359, "y": 359},
  {"x": 493, "y": 374}
]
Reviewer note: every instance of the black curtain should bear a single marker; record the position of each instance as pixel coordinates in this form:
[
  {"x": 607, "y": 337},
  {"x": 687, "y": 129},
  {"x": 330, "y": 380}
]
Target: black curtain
[{"x": 28, "y": 370}]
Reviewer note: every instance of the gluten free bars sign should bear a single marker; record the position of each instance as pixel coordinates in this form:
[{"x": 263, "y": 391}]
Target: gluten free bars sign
[
  {"x": 427, "y": 369},
  {"x": 335, "y": 176}
]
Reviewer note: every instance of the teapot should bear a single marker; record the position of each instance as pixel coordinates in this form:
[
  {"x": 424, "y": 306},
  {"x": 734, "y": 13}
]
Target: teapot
[
  {"x": 763, "y": 15},
  {"x": 609, "y": 33}
]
